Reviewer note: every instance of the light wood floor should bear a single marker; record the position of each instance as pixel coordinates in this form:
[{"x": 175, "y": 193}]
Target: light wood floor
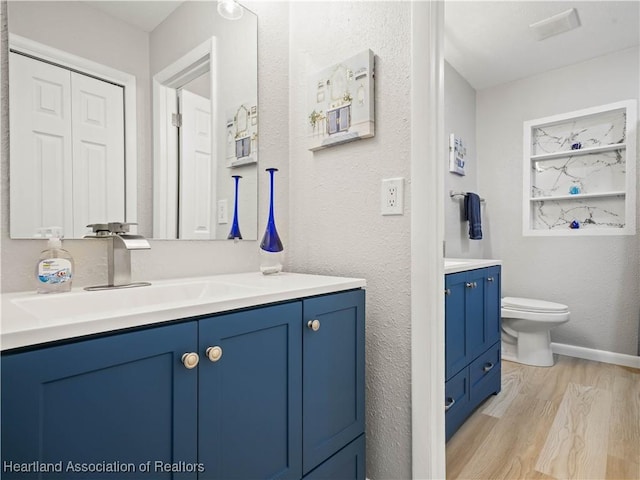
[{"x": 576, "y": 420}]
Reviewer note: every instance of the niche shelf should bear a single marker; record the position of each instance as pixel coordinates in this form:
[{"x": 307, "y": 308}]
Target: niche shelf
[{"x": 591, "y": 153}]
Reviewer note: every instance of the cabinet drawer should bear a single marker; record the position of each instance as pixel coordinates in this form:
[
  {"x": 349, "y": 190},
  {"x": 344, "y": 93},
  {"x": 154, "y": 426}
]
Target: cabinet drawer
[
  {"x": 484, "y": 375},
  {"x": 456, "y": 401}
]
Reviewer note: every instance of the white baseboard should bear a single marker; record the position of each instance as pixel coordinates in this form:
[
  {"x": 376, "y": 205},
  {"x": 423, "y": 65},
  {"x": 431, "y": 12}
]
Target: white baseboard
[{"x": 603, "y": 356}]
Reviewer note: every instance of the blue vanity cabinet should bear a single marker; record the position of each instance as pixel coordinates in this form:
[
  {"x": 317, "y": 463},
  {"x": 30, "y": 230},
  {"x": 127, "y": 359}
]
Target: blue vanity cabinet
[
  {"x": 472, "y": 342},
  {"x": 125, "y": 398},
  {"x": 333, "y": 376},
  {"x": 250, "y": 394},
  {"x": 277, "y": 393}
]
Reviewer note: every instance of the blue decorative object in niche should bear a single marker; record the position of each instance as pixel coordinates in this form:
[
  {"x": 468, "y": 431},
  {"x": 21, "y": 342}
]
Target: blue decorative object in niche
[
  {"x": 574, "y": 189},
  {"x": 574, "y": 225},
  {"x": 576, "y": 146}
]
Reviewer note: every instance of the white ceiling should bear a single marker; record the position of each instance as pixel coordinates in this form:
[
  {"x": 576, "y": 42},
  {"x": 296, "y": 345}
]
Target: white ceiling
[
  {"x": 142, "y": 14},
  {"x": 489, "y": 42}
]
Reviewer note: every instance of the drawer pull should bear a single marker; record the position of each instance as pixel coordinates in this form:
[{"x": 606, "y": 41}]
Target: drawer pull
[
  {"x": 489, "y": 279},
  {"x": 190, "y": 360},
  {"x": 447, "y": 291},
  {"x": 449, "y": 404},
  {"x": 487, "y": 366},
  {"x": 314, "y": 325},
  {"x": 469, "y": 285},
  {"x": 214, "y": 353}
]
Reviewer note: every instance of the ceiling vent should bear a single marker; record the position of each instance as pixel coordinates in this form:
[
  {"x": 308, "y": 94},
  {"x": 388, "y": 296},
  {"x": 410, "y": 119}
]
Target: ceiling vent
[{"x": 560, "y": 23}]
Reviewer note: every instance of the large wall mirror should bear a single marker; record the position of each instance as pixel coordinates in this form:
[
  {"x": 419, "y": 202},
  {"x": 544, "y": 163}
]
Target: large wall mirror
[{"x": 137, "y": 111}]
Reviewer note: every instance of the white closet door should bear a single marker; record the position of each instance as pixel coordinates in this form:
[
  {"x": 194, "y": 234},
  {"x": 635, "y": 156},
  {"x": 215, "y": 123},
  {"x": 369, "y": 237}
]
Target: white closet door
[
  {"x": 40, "y": 152},
  {"x": 197, "y": 185},
  {"x": 98, "y": 152}
]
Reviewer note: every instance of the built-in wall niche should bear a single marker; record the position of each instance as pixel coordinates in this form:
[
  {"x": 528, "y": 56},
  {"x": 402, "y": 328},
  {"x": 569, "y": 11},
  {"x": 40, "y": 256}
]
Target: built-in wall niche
[{"x": 579, "y": 172}]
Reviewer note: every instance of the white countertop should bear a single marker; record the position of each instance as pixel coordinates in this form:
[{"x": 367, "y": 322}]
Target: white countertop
[
  {"x": 30, "y": 319},
  {"x": 455, "y": 265}
]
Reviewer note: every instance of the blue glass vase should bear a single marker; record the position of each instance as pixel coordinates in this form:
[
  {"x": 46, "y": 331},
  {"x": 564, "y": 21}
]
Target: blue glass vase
[
  {"x": 235, "y": 234},
  {"x": 271, "y": 249}
]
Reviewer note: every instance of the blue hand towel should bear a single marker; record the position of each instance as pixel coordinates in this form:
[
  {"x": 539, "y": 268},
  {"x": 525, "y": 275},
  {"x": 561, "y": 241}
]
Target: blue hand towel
[{"x": 472, "y": 214}]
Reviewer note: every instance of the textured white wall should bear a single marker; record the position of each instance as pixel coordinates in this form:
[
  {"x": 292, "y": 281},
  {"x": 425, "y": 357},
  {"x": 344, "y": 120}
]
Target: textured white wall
[
  {"x": 597, "y": 277},
  {"x": 460, "y": 118},
  {"x": 334, "y": 203},
  {"x": 168, "y": 258}
]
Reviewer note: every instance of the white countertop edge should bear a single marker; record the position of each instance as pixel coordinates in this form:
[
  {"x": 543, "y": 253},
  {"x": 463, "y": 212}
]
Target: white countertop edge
[
  {"x": 465, "y": 264},
  {"x": 36, "y": 334}
]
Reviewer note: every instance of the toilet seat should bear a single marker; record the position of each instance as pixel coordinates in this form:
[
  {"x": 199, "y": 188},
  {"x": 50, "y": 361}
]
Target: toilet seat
[{"x": 533, "y": 306}]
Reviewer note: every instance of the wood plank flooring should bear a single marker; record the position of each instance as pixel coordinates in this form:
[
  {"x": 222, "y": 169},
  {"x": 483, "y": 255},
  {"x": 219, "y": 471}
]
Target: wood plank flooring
[{"x": 576, "y": 420}]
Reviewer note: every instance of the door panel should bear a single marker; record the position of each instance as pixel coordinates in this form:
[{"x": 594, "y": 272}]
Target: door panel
[
  {"x": 197, "y": 174},
  {"x": 333, "y": 374},
  {"x": 89, "y": 402},
  {"x": 256, "y": 383},
  {"x": 41, "y": 147},
  {"x": 98, "y": 152}
]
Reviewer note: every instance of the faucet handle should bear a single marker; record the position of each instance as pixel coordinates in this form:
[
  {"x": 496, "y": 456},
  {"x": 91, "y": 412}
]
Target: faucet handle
[
  {"x": 100, "y": 229},
  {"x": 119, "y": 227}
]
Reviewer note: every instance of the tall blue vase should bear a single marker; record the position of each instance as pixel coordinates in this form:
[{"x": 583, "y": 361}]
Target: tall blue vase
[
  {"x": 271, "y": 249},
  {"x": 235, "y": 234}
]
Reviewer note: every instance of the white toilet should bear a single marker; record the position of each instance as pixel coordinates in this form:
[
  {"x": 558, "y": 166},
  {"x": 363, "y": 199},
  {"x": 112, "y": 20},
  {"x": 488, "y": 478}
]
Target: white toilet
[{"x": 525, "y": 329}]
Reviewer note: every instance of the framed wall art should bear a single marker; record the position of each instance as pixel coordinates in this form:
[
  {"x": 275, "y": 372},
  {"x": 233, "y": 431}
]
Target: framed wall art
[
  {"x": 341, "y": 102},
  {"x": 457, "y": 155}
]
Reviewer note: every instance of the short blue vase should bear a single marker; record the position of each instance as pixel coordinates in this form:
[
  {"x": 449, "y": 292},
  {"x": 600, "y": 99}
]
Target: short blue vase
[
  {"x": 235, "y": 234},
  {"x": 271, "y": 249}
]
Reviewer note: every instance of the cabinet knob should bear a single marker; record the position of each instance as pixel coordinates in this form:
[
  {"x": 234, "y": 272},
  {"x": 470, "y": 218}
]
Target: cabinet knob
[
  {"x": 489, "y": 279},
  {"x": 469, "y": 285},
  {"x": 449, "y": 404},
  {"x": 447, "y": 291},
  {"x": 190, "y": 360},
  {"x": 487, "y": 366},
  {"x": 314, "y": 325},
  {"x": 214, "y": 353}
]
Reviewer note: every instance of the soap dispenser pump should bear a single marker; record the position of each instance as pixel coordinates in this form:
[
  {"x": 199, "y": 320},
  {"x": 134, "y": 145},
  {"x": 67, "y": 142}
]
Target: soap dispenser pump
[{"x": 54, "y": 271}]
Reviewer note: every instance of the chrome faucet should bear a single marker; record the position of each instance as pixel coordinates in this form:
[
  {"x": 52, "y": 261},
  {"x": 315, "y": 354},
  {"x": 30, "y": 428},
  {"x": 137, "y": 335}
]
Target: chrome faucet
[{"x": 121, "y": 242}]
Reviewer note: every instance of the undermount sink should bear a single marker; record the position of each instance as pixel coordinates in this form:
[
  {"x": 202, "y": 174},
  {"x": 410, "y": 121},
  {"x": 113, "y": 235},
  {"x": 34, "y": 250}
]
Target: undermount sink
[{"x": 113, "y": 302}]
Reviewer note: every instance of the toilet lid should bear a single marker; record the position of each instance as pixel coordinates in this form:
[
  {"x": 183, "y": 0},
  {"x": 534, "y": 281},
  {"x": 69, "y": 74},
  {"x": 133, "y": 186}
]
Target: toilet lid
[{"x": 532, "y": 305}]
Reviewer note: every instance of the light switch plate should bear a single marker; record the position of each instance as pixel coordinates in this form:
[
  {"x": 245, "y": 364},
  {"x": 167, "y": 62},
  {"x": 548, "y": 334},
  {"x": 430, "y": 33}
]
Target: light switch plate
[{"x": 223, "y": 215}]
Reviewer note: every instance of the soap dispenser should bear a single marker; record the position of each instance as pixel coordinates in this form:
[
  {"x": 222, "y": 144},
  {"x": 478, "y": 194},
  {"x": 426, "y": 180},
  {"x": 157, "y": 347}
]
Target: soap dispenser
[{"x": 54, "y": 271}]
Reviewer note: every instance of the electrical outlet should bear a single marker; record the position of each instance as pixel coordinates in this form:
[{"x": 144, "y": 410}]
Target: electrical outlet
[
  {"x": 392, "y": 196},
  {"x": 223, "y": 216}
]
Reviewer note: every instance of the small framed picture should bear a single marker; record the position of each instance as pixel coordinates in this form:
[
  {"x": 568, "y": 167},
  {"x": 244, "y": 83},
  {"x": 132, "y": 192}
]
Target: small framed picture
[{"x": 457, "y": 155}]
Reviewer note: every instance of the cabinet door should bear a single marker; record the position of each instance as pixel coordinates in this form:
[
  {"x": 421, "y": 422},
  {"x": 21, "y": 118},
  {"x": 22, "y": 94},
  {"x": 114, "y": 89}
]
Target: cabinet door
[
  {"x": 492, "y": 298},
  {"x": 347, "y": 464},
  {"x": 333, "y": 375},
  {"x": 249, "y": 398},
  {"x": 476, "y": 336},
  {"x": 455, "y": 324},
  {"x": 124, "y": 399}
]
